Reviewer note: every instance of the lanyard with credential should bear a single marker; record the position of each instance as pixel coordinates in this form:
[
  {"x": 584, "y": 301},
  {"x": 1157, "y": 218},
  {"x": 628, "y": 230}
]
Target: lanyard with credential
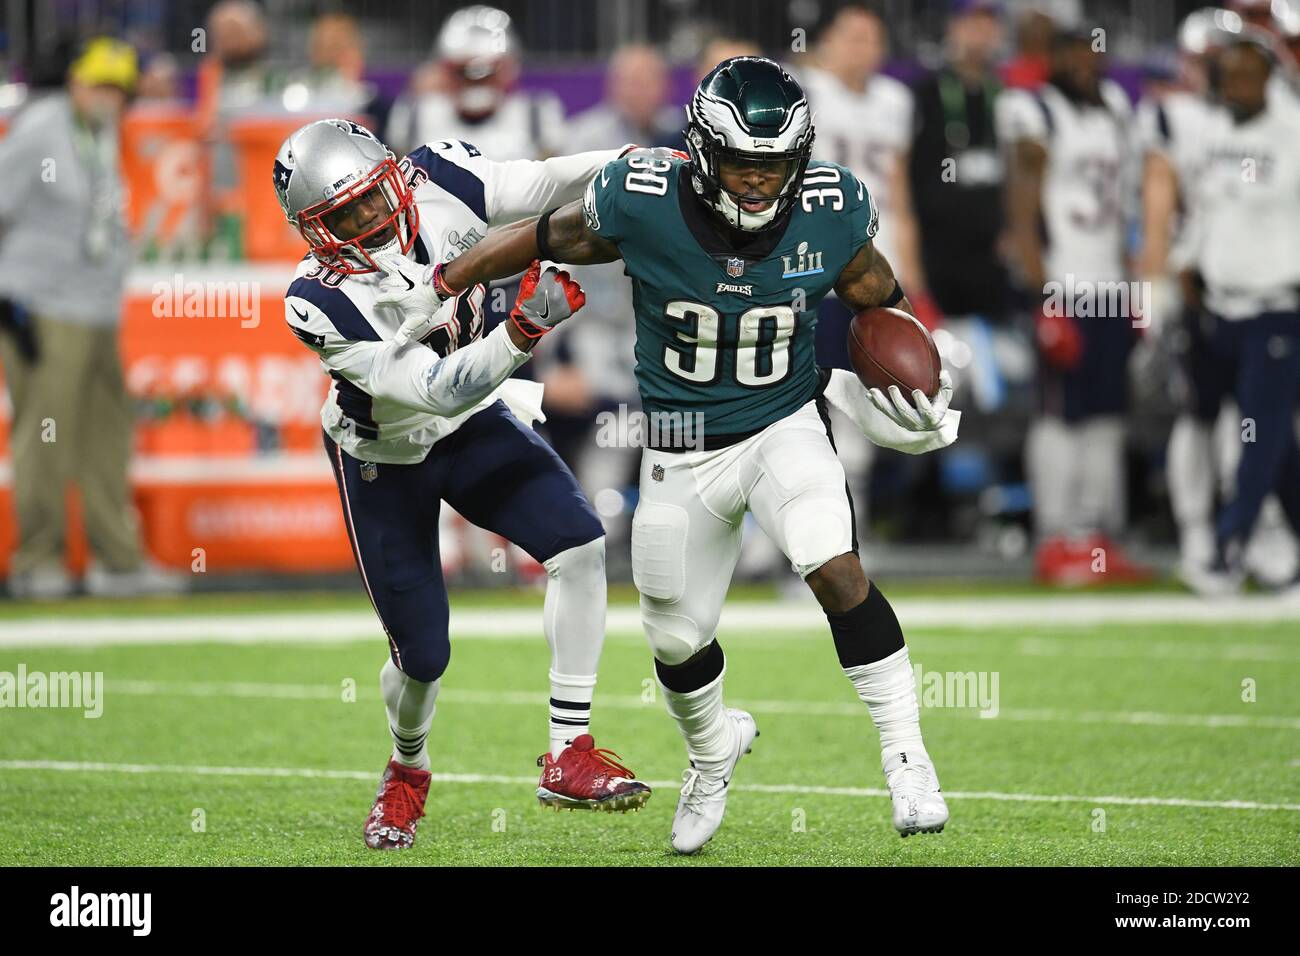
[{"x": 952, "y": 97}]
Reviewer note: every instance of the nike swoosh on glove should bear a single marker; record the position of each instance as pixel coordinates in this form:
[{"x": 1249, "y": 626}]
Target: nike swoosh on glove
[
  {"x": 408, "y": 287},
  {"x": 846, "y": 393},
  {"x": 545, "y": 300}
]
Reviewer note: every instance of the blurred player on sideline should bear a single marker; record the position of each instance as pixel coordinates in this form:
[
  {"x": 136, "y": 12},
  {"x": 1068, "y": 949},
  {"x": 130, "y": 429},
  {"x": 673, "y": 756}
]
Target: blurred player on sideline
[
  {"x": 471, "y": 94},
  {"x": 1069, "y": 155},
  {"x": 1172, "y": 128},
  {"x": 420, "y": 412},
  {"x": 1247, "y": 204}
]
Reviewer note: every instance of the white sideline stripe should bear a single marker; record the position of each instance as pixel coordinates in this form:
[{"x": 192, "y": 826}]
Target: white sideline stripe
[
  {"x": 1110, "y": 648},
  {"x": 472, "y": 778},
  {"x": 738, "y": 618},
  {"x": 149, "y": 688}
]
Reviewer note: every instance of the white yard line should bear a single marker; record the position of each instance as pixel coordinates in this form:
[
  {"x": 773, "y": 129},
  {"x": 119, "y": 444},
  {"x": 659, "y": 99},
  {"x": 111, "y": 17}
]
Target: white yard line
[
  {"x": 454, "y": 695},
  {"x": 739, "y": 619},
  {"x": 475, "y": 778}
]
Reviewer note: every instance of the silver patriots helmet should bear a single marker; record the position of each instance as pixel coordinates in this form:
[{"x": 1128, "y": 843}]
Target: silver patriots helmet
[{"x": 324, "y": 167}]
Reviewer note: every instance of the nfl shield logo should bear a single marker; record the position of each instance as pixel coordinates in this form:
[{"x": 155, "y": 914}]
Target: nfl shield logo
[
  {"x": 735, "y": 267},
  {"x": 369, "y": 471}
]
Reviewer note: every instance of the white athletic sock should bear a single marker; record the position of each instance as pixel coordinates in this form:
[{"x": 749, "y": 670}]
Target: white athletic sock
[
  {"x": 410, "y": 705},
  {"x": 1102, "y": 492},
  {"x": 888, "y": 688},
  {"x": 570, "y": 709},
  {"x": 702, "y": 719},
  {"x": 573, "y": 618},
  {"x": 1050, "y": 463}
]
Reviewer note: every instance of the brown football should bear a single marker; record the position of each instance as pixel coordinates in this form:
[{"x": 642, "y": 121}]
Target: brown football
[{"x": 889, "y": 347}]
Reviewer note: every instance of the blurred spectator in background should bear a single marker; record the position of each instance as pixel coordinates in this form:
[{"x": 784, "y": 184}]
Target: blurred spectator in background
[
  {"x": 1069, "y": 156},
  {"x": 1247, "y": 198},
  {"x": 63, "y": 261},
  {"x": 955, "y": 175},
  {"x": 233, "y": 78},
  {"x": 635, "y": 107},
  {"x": 1028, "y": 69},
  {"x": 235, "y": 75},
  {"x": 333, "y": 81},
  {"x": 159, "y": 79},
  {"x": 470, "y": 95}
]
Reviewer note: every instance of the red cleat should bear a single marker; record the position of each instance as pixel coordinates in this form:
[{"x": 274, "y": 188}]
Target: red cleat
[
  {"x": 399, "y": 804},
  {"x": 1061, "y": 561},
  {"x": 1119, "y": 567},
  {"x": 585, "y": 777}
]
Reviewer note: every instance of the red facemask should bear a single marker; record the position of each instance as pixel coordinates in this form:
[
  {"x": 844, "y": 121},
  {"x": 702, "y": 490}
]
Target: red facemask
[{"x": 350, "y": 256}]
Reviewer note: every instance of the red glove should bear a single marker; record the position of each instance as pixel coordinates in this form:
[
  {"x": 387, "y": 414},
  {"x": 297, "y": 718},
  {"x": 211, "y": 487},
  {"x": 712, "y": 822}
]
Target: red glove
[
  {"x": 1058, "y": 340},
  {"x": 927, "y": 310},
  {"x": 545, "y": 300}
]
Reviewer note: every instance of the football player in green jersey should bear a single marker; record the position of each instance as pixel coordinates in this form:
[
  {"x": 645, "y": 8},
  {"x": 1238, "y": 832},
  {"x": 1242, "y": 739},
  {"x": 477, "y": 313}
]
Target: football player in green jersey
[{"x": 730, "y": 249}]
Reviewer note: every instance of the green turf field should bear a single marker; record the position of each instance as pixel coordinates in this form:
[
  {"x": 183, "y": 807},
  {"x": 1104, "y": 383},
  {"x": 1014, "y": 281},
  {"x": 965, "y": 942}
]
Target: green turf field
[{"x": 1116, "y": 744}]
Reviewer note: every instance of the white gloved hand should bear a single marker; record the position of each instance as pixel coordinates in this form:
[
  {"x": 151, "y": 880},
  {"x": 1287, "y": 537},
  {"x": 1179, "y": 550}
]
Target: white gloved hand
[
  {"x": 920, "y": 416},
  {"x": 882, "y": 427},
  {"x": 408, "y": 287}
]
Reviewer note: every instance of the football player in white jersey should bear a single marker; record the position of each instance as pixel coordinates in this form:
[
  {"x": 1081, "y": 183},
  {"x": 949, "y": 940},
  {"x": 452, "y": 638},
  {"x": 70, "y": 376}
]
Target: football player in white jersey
[
  {"x": 473, "y": 99},
  {"x": 1171, "y": 132},
  {"x": 1247, "y": 206},
  {"x": 421, "y": 412},
  {"x": 1068, "y": 164},
  {"x": 864, "y": 118}
]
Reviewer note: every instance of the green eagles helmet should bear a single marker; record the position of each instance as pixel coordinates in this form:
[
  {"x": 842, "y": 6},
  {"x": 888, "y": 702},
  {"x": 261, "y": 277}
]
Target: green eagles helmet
[{"x": 748, "y": 109}]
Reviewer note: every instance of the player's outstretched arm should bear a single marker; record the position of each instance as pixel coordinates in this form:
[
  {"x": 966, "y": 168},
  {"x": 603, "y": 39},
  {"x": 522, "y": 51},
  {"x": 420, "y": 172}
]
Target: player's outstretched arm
[
  {"x": 868, "y": 281},
  {"x": 506, "y": 252}
]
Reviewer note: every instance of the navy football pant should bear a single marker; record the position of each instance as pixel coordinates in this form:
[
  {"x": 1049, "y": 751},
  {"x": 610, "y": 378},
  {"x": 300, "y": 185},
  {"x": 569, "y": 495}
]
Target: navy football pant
[
  {"x": 496, "y": 472},
  {"x": 1098, "y": 385},
  {"x": 1263, "y": 354}
]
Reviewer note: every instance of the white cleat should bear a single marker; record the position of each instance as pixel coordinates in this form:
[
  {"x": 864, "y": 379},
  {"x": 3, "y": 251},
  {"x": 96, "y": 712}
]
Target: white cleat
[
  {"x": 914, "y": 790},
  {"x": 704, "y": 795},
  {"x": 1212, "y": 581}
]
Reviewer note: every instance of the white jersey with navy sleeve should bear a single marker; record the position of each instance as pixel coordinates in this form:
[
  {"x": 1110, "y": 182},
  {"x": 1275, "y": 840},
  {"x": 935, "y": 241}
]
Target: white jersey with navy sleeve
[
  {"x": 867, "y": 131},
  {"x": 1174, "y": 127},
  {"x": 1089, "y": 165},
  {"x": 1247, "y": 205},
  {"x": 390, "y": 404}
]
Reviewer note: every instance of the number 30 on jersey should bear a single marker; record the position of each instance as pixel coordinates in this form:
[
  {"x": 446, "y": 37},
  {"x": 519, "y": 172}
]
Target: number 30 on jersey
[{"x": 762, "y": 346}]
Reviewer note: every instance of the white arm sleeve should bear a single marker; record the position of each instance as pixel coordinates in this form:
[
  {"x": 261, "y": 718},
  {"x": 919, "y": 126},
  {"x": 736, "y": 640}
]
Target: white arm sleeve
[
  {"x": 412, "y": 375},
  {"x": 521, "y": 188}
]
